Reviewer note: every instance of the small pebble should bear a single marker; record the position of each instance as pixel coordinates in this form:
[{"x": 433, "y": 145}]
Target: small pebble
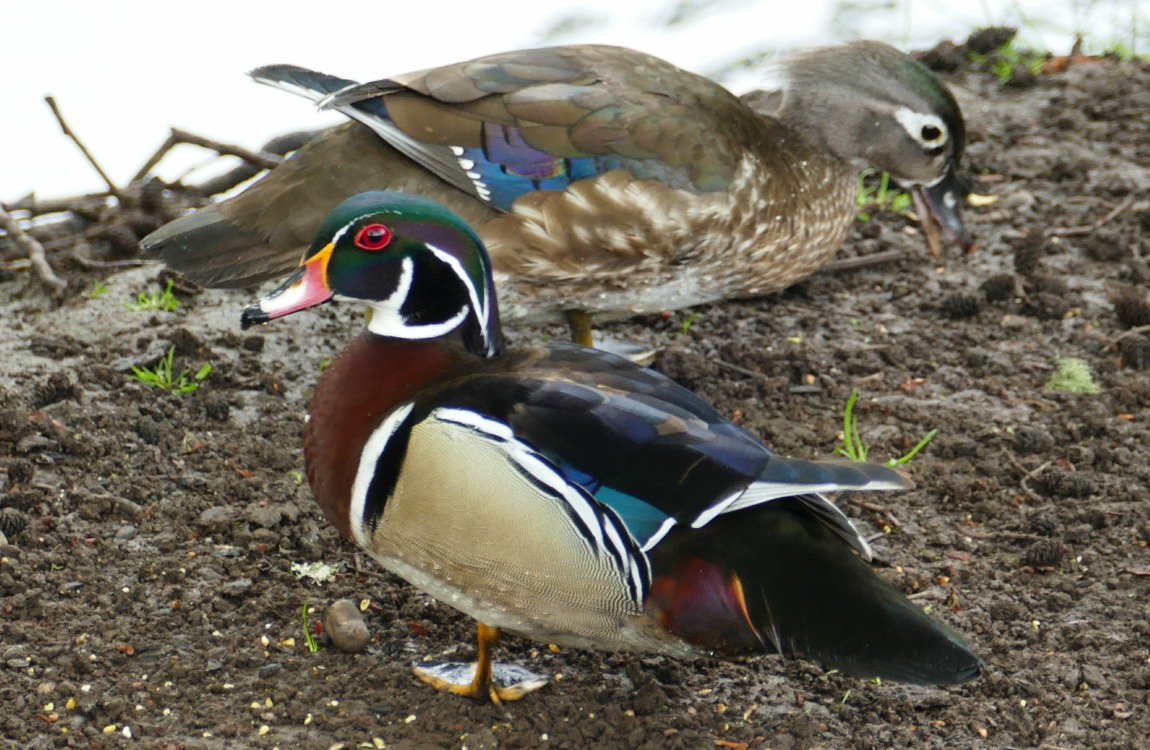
[
  {"x": 270, "y": 669},
  {"x": 238, "y": 587},
  {"x": 344, "y": 624},
  {"x": 125, "y": 533}
]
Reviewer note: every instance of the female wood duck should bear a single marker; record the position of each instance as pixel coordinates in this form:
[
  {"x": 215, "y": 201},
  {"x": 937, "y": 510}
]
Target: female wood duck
[
  {"x": 566, "y": 494},
  {"x": 604, "y": 181}
]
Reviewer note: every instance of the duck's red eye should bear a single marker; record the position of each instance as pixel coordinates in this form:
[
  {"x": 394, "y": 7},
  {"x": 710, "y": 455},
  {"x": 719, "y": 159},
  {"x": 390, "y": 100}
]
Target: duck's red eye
[{"x": 373, "y": 237}]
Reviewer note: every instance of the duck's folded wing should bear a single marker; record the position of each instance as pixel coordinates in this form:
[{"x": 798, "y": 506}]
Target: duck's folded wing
[
  {"x": 654, "y": 453},
  {"x": 509, "y": 124}
]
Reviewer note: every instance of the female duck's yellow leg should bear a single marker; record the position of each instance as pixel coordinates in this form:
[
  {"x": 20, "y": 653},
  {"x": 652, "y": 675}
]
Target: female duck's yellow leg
[
  {"x": 580, "y": 324},
  {"x": 482, "y": 678}
]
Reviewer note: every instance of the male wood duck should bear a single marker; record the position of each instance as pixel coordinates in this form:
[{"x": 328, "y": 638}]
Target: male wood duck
[
  {"x": 567, "y": 494},
  {"x": 604, "y": 181}
]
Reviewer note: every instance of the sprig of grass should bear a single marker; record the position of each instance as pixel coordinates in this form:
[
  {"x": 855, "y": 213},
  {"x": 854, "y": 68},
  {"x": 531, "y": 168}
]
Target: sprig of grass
[
  {"x": 685, "y": 327},
  {"x": 884, "y": 195},
  {"x": 856, "y": 450},
  {"x": 162, "y": 376},
  {"x": 312, "y": 645},
  {"x": 164, "y": 300},
  {"x": 1006, "y": 58},
  {"x": 852, "y": 446},
  {"x": 99, "y": 288}
]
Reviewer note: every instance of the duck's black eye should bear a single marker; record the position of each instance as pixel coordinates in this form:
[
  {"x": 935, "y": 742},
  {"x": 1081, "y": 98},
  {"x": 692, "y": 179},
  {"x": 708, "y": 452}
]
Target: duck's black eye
[
  {"x": 931, "y": 133},
  {"x": 373, "y": 237}
]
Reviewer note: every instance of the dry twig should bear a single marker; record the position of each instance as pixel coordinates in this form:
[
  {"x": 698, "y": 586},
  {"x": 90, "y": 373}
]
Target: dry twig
[
  {"x": 1070, "y": 231},
  {"x": 35, "y": 252},
  {"x": 1027, "y": 475},
  {"x": 874, "y": 507},
  {"x": 864, "y": 261},
  {"x": 177, "y": 136},
  {"x": 1135, "y": 331},
  {"x": 83, "y": 149}
]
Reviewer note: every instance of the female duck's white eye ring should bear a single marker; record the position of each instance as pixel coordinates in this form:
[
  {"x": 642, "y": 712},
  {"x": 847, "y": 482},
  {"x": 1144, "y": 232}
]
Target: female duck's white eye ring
[{"x": 927, "y": 130}]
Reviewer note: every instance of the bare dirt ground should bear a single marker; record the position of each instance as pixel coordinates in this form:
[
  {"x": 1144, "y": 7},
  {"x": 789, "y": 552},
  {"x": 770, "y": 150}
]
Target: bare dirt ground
[{"x": 147, "y": 597}]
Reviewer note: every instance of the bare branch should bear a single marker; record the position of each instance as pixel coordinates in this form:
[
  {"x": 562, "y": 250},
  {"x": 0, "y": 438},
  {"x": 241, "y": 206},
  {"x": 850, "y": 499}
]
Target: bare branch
[
  {"x": 865, "y": 261},
  {"x": 83, "y": 149},
  {"x": 1069, "y": 231},
  {"x": 41, "y": 207},
  {"x": 265, "y": 161},
  {"x": 159, "y": 154},
  {"x": 278, "y": 146},
  {"x": 35, "y": 253}
]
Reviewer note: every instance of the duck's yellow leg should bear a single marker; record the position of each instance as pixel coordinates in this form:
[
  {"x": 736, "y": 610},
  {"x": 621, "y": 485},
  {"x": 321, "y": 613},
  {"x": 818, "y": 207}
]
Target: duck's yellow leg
[
  {"x": 580, "y": 324},
  {"x": 482, "y": 678}
]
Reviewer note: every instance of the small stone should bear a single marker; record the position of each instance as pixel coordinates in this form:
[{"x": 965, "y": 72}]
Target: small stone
[
  {"x": 126, "y": 532},
  {"x": 1092, "y": 676},
  {"x": 1019, "y": 199},
  {"x": 265, "y": 516},
  {"x": 216, "y": 518},
  {"x": 35, "y": 444},
  {"x": 270, "y": 669},
  {"x": 344, "y": 624},
  {"x": 238, "y": 587}
]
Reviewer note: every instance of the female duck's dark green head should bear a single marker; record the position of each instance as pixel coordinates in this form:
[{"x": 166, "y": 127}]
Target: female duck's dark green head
[{"x": 421, "y": 269}]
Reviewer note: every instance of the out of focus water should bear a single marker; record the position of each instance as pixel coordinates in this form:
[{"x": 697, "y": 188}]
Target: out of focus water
[{"x": 124, "y": 71}]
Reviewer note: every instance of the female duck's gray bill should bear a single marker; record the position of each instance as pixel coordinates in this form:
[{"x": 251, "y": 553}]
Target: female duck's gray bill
[{"x": 944, "y": 200}]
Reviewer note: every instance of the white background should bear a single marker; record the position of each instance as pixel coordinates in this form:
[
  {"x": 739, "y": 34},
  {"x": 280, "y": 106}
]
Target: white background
[{"x": 125, "y": 71}]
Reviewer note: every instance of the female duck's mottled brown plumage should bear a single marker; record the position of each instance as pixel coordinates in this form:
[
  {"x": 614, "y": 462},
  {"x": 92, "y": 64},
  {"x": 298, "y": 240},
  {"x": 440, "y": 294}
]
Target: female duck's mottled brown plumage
[{"x": 602, "y": 179}]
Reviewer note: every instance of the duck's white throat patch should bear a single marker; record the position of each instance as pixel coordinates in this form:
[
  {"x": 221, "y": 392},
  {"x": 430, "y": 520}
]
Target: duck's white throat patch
[{"x": 387, "y": 315}]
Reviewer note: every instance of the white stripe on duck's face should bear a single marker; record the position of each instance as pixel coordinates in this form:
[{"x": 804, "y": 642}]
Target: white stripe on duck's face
[
  {"x": 925, "y": 128},
  {"x": 392, "y": 316}
]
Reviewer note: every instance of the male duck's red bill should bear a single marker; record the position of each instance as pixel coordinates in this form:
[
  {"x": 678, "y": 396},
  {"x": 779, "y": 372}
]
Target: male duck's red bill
[{"x": 568, "y": 495}]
